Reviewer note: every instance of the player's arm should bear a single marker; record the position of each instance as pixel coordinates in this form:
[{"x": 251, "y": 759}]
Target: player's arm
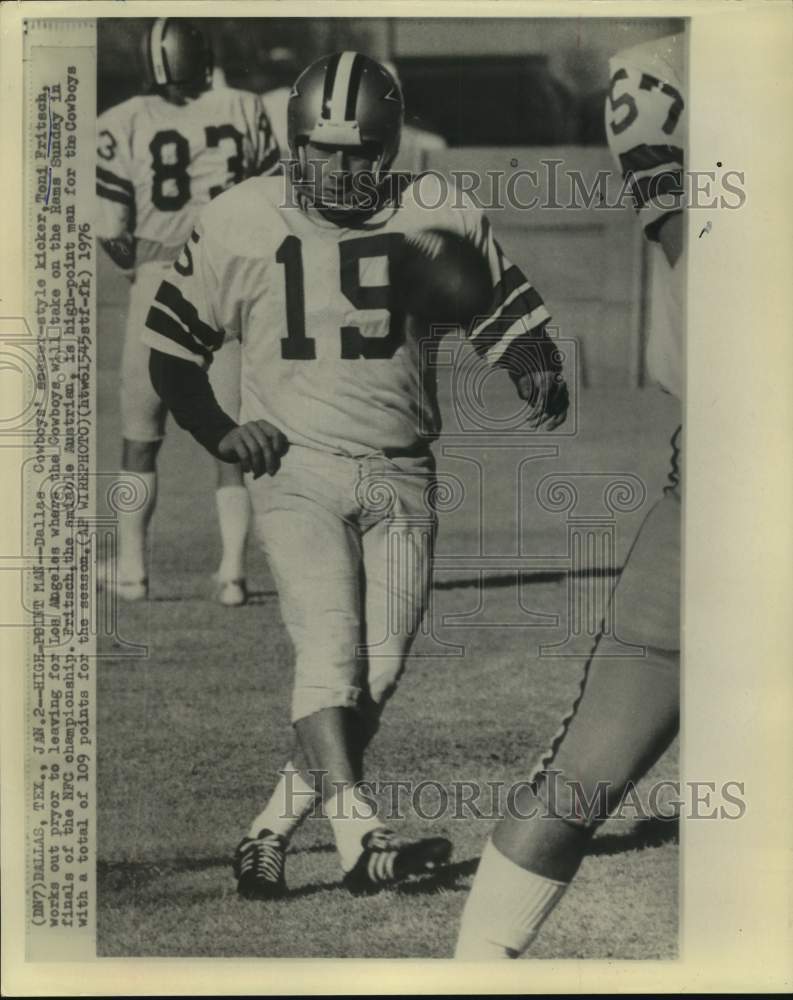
[
  {"x": 267, "y": 154},
  {"x": 514, "y": 337},
  {"x": 122, "y": 251},
  {"x": 115, "y": 193},
  {"x": 184, "y": 327},
  {"x": 185, "y": 389}
]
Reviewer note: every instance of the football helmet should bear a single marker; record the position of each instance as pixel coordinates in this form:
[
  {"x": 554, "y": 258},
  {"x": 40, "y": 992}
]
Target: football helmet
[
  {"x": 344, "y": 100},
  {"x": 177, "y": 52}
]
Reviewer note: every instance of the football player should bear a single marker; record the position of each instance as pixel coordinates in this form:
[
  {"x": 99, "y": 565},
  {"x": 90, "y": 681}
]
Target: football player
[
  {"x": 627, "y": 710},
  {"x": 161, "y": 156},
  {"x": 338, "y": 417}
]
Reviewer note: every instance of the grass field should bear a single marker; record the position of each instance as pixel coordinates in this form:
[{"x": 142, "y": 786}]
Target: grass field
[{"x": 191, "y": 735}]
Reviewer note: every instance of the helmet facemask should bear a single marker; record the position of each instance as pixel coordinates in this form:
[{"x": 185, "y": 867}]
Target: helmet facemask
[
  {"x": 344, "y": 103},
  {"x": 340, "y": 189}
]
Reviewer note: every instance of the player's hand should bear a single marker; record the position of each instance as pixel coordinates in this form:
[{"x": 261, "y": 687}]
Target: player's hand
[
  {"x": 123, "y": 252},
  {"x": 257, "y": 446},
  {"x": 546, "y": 393}
]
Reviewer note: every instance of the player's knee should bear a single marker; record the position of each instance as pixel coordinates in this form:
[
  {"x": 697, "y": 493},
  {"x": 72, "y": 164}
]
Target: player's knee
[
  {"x": 589, "y": 772},
  {"x": 143, "y": 414},
  {"x": 646, "y": 603},
  {"x": 574, "y": 798},
  {"x": 328, "y": 674},
  {"x": 325, "y": 642},
  {"x": 310, "y": 698},
  {"x": 140, "y": 455},
  {"x": 385, "y": 663},
  {"x": 143, "y": 425}
]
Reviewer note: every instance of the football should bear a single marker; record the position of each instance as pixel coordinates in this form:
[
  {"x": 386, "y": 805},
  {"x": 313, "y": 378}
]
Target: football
[{"x": 439, "y": 276}]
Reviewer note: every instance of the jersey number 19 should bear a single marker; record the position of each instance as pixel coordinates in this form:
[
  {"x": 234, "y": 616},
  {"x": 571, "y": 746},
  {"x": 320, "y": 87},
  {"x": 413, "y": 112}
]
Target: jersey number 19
[{"x": 296, "y": 346}]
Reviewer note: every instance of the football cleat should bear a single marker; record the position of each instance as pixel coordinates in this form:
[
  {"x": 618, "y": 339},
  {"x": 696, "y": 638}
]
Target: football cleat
[
  {"x": 259, "y": 866},
  {"x": 231, "y": 593},
  {"x": 387, "y": 859}
]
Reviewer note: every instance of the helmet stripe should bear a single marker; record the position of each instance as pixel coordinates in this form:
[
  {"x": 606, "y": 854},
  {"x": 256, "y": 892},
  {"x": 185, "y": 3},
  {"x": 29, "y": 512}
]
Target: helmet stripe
[
  {"x": 354, "y": 85},
  {"x": 156, "y": 53},
  {"x": 330, "y": 78},
  {"x": 341, "y": 86}
]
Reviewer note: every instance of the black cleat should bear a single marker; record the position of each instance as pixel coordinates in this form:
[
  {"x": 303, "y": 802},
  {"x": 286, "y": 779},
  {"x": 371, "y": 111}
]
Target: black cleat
[
  {"x": 387, "y": 859},
  {"x": 259, "y": 866}
]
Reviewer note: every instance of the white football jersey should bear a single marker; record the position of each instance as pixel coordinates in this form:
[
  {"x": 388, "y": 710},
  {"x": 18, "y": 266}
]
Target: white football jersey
[
  {"x": 646, "y": 125},
  {"x": 324, "y": 358},
  {"x": 158, "y": 163},
  {"x": 646, "y": 130},
  {"x": 276, "y": 104}
]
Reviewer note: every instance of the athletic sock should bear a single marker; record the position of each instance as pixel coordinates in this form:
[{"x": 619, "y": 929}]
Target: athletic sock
[
  {"x": 234, "y": 515},
  {"x": 292, "y": 800},
  {"x": 351, "y": 818},
  {"x": 133, "y": 528},
  {"x": 505, "y": 908}
]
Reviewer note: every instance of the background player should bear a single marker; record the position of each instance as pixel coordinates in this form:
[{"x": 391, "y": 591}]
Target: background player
[
  {"x": 340, "y": 415},
  {"x": 627, "y": 712},
  {"x": 417, "y": 143},
  {"x": 160, "y": 157}
]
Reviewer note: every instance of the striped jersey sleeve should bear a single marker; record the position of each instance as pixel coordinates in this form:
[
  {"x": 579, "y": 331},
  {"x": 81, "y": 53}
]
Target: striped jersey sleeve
[
  {"x": 517, "y": 315},
  {"x": 645, "y": 127},
  {"x": 186, "y": 318},
  {"x": 115, "y": 191}
]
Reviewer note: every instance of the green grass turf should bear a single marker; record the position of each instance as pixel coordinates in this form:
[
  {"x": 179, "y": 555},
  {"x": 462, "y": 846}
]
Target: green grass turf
[{"x": 191, "y": 735}]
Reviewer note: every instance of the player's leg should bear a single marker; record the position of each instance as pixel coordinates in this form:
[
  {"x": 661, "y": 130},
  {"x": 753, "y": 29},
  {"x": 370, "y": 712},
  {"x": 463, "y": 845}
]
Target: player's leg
[
  {"x": 138, "y": 471},
  {"x": 397, "y": 549},
  {"x": 624, "y": 719},
  {"x": 231, "y": 496},
  {"x": 315, "y": 559},
  {"x": 398, "y": 553},
  {"x": 321, "y": 607},
  {"x": 143, "y": 426},
  {"x": 397, "y": 565},
  {"x": 372, "y": 855},
  {"x": 315, "y": 555}
]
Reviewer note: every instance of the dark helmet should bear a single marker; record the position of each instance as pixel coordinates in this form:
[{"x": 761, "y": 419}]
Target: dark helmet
[
  {"x": 346, "y": 99},
  {"x": 177, "y": 52}
]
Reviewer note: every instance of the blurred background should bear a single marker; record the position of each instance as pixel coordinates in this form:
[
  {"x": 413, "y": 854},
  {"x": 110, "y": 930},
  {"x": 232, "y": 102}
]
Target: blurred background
[{"x": 475, "y": 81}]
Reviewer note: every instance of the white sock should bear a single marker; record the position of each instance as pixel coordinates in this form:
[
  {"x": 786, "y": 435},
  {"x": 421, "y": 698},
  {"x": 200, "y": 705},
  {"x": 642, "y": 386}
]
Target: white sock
[
  {"x": 505, "y": 908},
  {"x": 234, "y": 516},
  {"x": 292, "y": 800},
  {"x": 351, "y": 818},
  {"x": 133, "y": 528}
]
